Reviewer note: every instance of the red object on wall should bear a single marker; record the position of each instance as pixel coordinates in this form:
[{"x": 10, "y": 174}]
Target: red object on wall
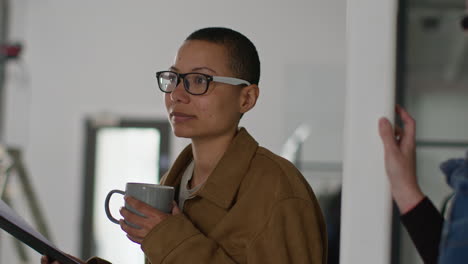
[{"x": 11, "y": 51}]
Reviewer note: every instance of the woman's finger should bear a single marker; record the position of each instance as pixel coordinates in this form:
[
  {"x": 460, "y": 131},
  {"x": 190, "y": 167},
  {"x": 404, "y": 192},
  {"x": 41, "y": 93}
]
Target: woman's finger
[
  {"x": 130, "y": 216},
  {"x": 387, "y": 134},
  {"x": 175, "y": 208},
  {"x": 409, "y": 133},
  {"x": 137, "y": 204},
  {"x": 134, "y": 239},
  {"x": 399, "y": 133},
  {"x": 144, "y": 208}
]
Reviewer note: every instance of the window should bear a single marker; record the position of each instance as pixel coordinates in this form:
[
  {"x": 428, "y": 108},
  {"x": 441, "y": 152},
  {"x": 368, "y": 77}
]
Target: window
[{"x": 127, "y": 151}]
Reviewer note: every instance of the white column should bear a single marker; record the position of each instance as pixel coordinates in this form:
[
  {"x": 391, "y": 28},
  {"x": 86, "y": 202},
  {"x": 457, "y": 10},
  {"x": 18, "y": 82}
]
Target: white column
[{"x": 370, "y": 86}]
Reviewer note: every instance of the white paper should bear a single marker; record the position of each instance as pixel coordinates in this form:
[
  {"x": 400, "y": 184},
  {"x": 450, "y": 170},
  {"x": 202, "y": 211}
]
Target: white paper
[{"x": 11, "y": 216}]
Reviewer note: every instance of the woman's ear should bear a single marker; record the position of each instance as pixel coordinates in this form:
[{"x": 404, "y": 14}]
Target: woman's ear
[{"x": 248, "y": 97}]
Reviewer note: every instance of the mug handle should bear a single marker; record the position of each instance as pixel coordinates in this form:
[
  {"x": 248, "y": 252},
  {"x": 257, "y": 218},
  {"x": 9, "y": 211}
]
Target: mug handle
[{"x": 106, "y": 205}]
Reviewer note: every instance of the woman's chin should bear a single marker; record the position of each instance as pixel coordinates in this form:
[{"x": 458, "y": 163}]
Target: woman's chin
[{"x": 182, "y": 133}]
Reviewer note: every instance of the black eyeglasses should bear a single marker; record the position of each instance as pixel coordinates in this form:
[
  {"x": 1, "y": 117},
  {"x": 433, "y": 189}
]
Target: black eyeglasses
[{"x": 194, "y": 83}]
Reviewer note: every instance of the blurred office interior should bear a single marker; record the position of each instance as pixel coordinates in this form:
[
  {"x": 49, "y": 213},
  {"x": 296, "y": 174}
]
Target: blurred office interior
[{"x": 78, "y": 100}]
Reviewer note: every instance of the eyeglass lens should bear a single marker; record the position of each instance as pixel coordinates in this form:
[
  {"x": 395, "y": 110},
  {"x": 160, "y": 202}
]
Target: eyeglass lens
[{"x": 194, "y": 83}]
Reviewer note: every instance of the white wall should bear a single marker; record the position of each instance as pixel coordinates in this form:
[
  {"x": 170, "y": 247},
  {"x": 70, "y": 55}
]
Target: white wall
[{"x": 84, "y": 57}]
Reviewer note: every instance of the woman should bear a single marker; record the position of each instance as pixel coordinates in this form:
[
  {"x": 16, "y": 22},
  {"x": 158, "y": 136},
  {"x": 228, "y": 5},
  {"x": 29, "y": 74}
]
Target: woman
[{"x": 237, "y": 202}]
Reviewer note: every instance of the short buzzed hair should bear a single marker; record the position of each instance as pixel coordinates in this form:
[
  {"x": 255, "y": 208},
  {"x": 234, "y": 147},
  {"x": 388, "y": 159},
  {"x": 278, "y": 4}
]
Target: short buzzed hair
[{"x": 244, "y": 60}]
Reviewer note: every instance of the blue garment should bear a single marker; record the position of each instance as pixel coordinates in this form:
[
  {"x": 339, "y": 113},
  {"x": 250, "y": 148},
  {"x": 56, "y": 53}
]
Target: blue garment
[{"x": 454, "y": 243}]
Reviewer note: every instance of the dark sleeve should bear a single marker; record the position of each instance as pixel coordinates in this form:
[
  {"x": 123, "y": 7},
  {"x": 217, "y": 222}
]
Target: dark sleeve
[
  {"x": 96, "y": 260},
  {"x": 424, "y": 225}
]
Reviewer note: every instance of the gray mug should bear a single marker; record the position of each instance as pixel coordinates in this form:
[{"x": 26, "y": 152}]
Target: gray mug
[{"x": 157, "y": 196}]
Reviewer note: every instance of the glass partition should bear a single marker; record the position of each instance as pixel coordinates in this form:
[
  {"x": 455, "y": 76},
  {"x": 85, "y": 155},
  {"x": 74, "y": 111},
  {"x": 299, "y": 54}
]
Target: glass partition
[{"x": 433, "y": 63}]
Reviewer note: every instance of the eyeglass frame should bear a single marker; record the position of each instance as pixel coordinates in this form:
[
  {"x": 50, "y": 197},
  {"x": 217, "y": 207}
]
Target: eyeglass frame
[{"x": 209, "y": 78}]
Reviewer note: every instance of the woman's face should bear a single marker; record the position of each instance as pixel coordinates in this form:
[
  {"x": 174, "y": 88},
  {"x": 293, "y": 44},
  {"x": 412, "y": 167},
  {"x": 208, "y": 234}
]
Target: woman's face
[{"x": 214, "y": 113}]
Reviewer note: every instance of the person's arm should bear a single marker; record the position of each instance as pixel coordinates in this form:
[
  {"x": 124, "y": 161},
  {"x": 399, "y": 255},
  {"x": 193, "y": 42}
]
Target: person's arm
[
  {"x": 169, "y": 238},
  {"x": 424, "y": 224},
  {"x": 177, "y": 240},
  {"x": 294, "y": 233},
  {"x": 421, "y": 219}
]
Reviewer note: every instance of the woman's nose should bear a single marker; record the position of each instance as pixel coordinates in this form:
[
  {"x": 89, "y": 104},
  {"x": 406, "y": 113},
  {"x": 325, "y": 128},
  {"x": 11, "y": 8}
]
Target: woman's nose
[{"x": 179, "y": 94}]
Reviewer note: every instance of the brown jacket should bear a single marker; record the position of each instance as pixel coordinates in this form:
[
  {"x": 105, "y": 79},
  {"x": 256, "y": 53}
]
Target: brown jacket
[{"x": 255, "y": 207}]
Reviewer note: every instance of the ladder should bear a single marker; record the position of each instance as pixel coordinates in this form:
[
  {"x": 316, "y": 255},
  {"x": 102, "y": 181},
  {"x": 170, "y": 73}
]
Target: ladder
[{"x": 11, "y": 163}]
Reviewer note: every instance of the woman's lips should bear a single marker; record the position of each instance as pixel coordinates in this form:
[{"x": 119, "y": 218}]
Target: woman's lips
[{"x": 178, "y": 117}]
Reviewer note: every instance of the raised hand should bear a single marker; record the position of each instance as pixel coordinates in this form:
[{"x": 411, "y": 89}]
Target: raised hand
[{"x": 400, "y": 160}]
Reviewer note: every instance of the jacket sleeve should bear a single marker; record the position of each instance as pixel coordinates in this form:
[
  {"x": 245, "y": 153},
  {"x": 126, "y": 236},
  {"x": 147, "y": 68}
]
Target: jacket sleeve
[
  {"x": 424, "y": 225},
  {"x": 177, "y": 240},
  {"x": 295, "y": 233}
]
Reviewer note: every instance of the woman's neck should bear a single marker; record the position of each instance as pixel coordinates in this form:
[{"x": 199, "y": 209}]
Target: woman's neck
[{"x": 206, "y": 154}]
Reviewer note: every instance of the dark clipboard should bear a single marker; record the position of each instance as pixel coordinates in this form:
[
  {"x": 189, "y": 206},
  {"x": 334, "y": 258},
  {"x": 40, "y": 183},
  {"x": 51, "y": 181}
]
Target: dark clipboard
[{"x": 35, "y": 242}]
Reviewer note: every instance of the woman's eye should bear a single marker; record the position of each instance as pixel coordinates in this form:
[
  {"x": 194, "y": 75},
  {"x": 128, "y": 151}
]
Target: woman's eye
[{"x": 200, "y": 80}]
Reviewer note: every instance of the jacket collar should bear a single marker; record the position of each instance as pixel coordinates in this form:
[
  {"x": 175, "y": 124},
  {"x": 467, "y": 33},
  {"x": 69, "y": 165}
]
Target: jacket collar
[{"x": 222, "y": 185}]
